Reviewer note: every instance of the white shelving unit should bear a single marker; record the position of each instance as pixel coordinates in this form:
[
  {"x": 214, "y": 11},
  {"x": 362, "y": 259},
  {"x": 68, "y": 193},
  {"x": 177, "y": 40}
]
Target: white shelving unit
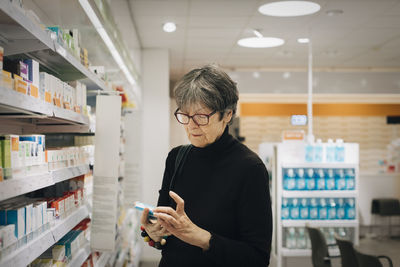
[
  {"x": 60, "y": 58},
  {"x": 81, "y": 256},
  {"x": 23, "y": 114},
  {"x": 292, "y": 155},
  {"x": 33, "y": 249},
  {"x": 15, "y": 187}
]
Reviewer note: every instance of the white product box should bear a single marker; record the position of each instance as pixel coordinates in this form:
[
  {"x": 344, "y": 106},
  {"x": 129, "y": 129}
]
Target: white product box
[
  {"x": 7, "y": 235},
  {"x": 28, "y": 218},
  {"x": 45, "y": 87}
]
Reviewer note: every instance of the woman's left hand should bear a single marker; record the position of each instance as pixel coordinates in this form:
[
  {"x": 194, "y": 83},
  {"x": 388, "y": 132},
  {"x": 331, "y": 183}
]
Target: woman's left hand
[{"x": 178, "y": 223}]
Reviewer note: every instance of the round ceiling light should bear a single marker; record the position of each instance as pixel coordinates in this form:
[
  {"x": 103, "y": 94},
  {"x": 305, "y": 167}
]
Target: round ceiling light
[
  {"x": 303, "y": 40},
  {"x": 289, "y": 8},
  {"x": 263, "y": 42},
  {"x": 169, "y": 27}
]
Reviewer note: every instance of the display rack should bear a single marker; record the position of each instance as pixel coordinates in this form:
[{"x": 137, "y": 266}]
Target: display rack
[
  {"x": 292, "y": 155},
  {"x": 80, "y": 256},
  {"x": 15, "y": 187},
  {"x": 37, "y": 43},
  {"x": 33, "y": 249}
]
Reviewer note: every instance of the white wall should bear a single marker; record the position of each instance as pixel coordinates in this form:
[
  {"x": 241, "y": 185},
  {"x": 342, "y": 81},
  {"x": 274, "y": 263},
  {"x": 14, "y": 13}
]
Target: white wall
[
  {"x": 376, "y": 186},
  {"x": 156, "y": 125}
]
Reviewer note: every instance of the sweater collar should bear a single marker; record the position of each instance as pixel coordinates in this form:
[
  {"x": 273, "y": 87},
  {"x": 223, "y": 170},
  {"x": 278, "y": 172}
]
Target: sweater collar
[{"x": 219, "y": 145}]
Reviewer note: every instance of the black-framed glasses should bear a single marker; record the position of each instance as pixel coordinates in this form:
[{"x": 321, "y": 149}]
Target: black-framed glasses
[{"x": 199, "y": 119}]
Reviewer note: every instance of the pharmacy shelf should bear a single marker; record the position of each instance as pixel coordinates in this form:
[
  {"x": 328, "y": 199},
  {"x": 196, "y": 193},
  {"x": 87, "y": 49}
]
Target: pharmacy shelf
[
  {"x": 320, "y": 193},
  {"x": 62, "y": 227},
  {"x": 80, "y": 256},
  {"x": 47, "y": 51},
  {"x": 304, "y": 252},
  {"x": 19, "y": 186},
  {"x": 103, "y": 259},
  {"x": 68, "y": 173},
  {"x": 15, "y": 187},
  {"x": 320, "y": 223},
  {"x": 15, "y": 105},
  {"x": 33, "y": 249},
  {"x": 333, "y": 165}
]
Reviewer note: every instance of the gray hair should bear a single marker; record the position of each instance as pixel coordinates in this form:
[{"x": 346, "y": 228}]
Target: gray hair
[{"x": 209, "y": 86}]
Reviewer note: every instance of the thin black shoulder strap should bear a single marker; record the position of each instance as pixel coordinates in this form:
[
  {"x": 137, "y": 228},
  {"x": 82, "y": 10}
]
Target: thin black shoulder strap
[{"x": 179, "y": 162}]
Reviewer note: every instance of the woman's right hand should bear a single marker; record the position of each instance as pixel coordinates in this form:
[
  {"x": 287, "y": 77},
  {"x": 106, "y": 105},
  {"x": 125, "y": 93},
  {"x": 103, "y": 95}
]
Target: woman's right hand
[{"x": 153, "y": 227}]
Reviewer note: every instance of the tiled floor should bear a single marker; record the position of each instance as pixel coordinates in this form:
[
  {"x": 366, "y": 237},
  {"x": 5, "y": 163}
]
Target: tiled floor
[{"x": 376, "y": 246}]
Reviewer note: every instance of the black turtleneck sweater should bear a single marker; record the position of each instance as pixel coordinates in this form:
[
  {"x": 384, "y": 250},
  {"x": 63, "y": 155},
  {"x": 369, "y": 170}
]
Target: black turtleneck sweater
[{"x": 226, "y": 192}]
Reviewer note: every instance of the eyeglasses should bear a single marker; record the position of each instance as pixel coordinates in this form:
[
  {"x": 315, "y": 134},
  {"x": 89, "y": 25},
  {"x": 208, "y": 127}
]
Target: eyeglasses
[{"x": 199, "y": 119}]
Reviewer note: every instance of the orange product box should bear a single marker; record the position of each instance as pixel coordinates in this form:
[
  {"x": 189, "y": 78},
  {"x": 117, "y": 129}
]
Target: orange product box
[
  {"x": 20, "y": 85},
  {"x": 6, "y": 80},
  {"x": 47, "y": 97},
  {"x": 34, "y": 91}
]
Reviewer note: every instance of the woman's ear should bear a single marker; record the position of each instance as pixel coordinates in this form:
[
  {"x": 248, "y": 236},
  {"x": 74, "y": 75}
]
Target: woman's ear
[{"x": 228, "y": 116}]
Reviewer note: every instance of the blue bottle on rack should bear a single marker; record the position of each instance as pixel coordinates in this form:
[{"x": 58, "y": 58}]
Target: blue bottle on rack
[
  {"x": 289, "y": 180},
  {"x": 339, "y": 150},
  {"x": 322, "y": 209},
  {"x": 304, "y": 209},
  {"x": 301, "y": 238},
  {"x": 318, "y": 151},
  {"x": 320, "y": 179},
  {"x": 330, "y": 151},
  {"x": 309, "y": 153},
  {"x": 285, "y": 215},
  {"x": 300, "y": 179},
  {"x": 310, "y": 180},
  {"x": 340, "y": 209},
  {"x": 350, "y": 209},
  {"x": 350, "y": 179},
  {"x": 329, "y": 180},
  {"x": 313, "y": 210},
  {"x": 294, "y": 209},
  {"x": 340, "y": 181},
  {"x": 332, "y": 209}
]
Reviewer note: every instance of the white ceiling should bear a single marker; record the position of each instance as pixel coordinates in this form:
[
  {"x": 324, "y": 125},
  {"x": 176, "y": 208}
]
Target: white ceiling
[{"x": 366, "y": 35}]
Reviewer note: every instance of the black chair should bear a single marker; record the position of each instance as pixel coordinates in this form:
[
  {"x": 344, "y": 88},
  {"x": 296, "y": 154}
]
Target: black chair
[
  {"x": 319, "y": 249},
  {"x": 386, "y": 207},
  {"x": 351, "y": 257}
]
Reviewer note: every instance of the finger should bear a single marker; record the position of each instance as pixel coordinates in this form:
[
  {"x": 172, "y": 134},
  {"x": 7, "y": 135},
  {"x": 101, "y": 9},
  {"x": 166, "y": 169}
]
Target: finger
[
  {"x": 145, "y": 214},
  {"x": 167, "y": 218},
  {"x": 180, "y": 204},
  {"x": 166, "y": 225},
  {"x": 167, "y": 210}
]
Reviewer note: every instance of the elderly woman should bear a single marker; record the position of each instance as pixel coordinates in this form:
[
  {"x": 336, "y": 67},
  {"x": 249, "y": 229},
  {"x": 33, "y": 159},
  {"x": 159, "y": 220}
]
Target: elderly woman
[{"x": 216, "y": 211}]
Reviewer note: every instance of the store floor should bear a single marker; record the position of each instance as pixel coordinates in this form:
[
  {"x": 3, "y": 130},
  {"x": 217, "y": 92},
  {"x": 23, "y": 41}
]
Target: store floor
[{"x": 376, "y": 246}]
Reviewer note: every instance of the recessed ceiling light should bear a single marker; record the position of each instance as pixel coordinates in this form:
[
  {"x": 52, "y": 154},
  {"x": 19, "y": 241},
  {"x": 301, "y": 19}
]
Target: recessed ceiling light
[
  {"x": 286, "y": 75},
  {"x": 263, "y": 42},
  {"x": 303, "y": 40},
  {"x": 289, "y": 8},
  {"x": 169, "y": 27},
  {"x": 256, "y": 75},
  {"x": 334, "y": 12}
]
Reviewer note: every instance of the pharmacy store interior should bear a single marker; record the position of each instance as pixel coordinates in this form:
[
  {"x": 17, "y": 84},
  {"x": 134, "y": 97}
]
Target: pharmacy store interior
[{"x": 87, "y": 120}]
